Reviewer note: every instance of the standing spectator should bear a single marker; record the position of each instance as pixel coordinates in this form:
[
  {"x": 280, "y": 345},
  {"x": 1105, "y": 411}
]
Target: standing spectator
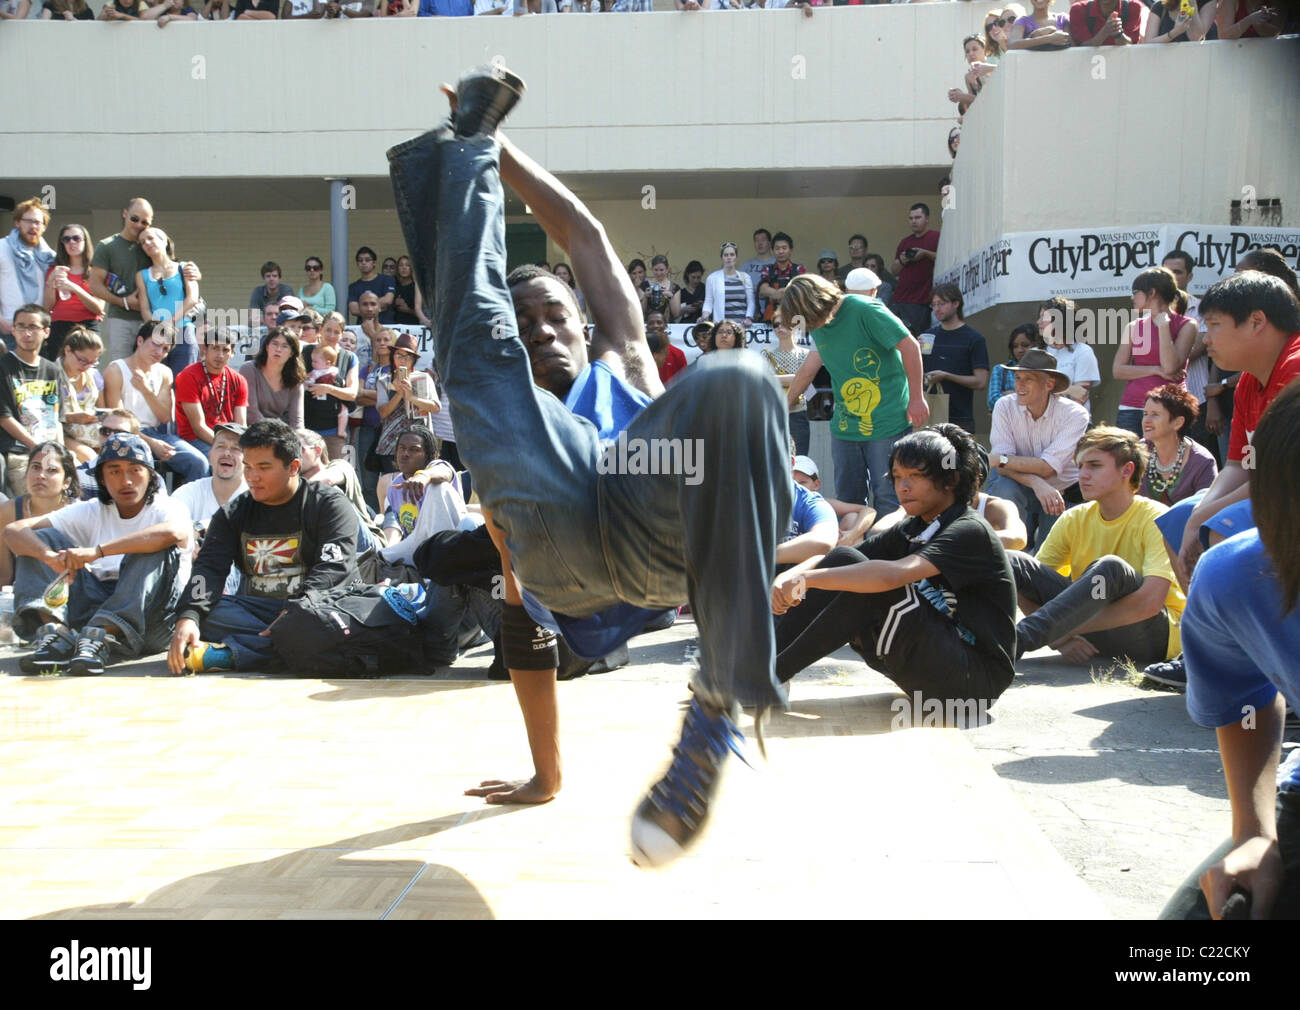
[
  {"x": 1106, "y": 22},
  {"x": 321, "y": 415},
  {"x": 66, "y": 10},
  {"x": 786, "y": 359},
  {"x": 67, "y": 298},
  {"x": 298, "y": 10},
  {"x": 378, "y": 371},
  {"x": 324, "y": 372},
  {"x": 25, "y": 257},
  {"x": 168, "y": 11},
  {"x": 380, "y": 284},
  {"x": 113, "y": 269},
  {"x": 31, "y": 402},
  {"x": 407, "y": 400},
  {"x": 688, "y": 302},
  {"x": 165, "y": 295},
  {"x": 210, "y": 393},
  {"x": 317, "y": 293},
  {"x": 408, "y": 305},
  {"x": 142, "y": 384},
  {"x": 1003, "y": 380},
  {"x": 83, "y": 391},
  {"x": 389, "y": 267},
  {"x": 761, "y": 260},
  {"x": 997, "y": 28},
  {"x": 121, "y": 10},
  {"x": 955, "y": 355},
  {"x": 1155, "y": 348},
  {"x": 265, "y": 300},
  {"x": 440, "y": 421},
  {"x": 1040, "y": 29},
  {"x": 257, "y": 10},
  {"x": 658, "y": 294},
  {"x": 876, "y": 264},
  {"x": 1077, "y": 361},
  {"x": 636, "y": 272},
  {"x": 565, "y": 273},
  {"x": 1168, "y": 22},
  {"x": 729, "y": 292},
  {"x": 15, "y": 10},
  {"x": 1177, "y": 467},
  {"x": 275, "y": 379},
  {"x": 782, "y": 270},
  {"x": 858, "y": 258},
  {"x": 1247, "y": 19},
  {"x": 828, "y": 266},
  {"x": 1032, "y": 445},
  {"x": 976, "y": 53},
  {"x": 875, "y": 368},
  {"x": 914, "y": 265},
  {"x": 1181, "y": 265}
]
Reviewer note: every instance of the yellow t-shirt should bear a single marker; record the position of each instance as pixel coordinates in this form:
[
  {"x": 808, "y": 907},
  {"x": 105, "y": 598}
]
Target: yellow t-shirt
[{"x": 1081, "y": 536}]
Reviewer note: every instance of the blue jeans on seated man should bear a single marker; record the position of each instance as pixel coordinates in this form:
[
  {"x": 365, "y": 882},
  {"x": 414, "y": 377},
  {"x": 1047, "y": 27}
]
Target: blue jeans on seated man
[
  {"x": 140, "y": 604},
  {"x": 238, "y": 623},
  {"x": 1037, "y": 522},
  {"x": 189, "y": 463},
  {"x": 864, "y": 466},
  {"x": 582, "y": 541}
]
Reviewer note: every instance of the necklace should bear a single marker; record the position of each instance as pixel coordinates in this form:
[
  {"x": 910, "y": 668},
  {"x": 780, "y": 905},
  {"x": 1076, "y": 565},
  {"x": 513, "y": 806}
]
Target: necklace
[
  {"x": 1161, "y": 479},
  {"x": 220, "y": 395}
]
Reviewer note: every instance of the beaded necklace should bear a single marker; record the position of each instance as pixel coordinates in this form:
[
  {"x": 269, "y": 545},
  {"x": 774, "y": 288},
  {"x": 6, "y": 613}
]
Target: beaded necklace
[{"x": 1162, "y": 478}]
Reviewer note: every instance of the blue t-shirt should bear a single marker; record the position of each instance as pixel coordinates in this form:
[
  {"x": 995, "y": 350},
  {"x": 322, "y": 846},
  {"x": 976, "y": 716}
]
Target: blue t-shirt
[
  {"x": 810, "y": 508},
  {"x": 380, "y": 284},
  {"x": 446, "y": 8},
  {"x": 960, "y": 352},
  {"x": 610, "y": 404},
  {"x": 1239, "y": 648}
]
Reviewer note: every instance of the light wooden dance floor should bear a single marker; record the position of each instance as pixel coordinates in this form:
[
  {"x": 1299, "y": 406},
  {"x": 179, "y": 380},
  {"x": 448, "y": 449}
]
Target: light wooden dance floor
[{"x": 227, "y": 797}]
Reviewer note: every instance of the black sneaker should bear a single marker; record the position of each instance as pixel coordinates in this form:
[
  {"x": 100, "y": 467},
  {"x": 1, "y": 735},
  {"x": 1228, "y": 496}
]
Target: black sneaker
[
  {"x": 1171, "y": 674},
  {"x": 94, "y": 649},
  {"x": 55, "y": 645},
  {"x": 484, "y": 96},
  {"x": 671, "y": 817}
]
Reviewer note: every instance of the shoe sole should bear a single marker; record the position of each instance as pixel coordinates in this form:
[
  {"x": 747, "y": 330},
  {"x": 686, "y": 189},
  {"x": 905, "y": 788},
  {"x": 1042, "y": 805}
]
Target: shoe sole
[{"x": 1167, "y": 681}]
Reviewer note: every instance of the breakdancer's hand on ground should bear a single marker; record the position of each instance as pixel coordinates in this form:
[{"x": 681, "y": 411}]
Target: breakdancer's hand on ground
[{"x": 520, "y": 791}]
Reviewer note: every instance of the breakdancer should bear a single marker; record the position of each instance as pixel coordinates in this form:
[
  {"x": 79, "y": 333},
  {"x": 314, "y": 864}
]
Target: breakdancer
[{"x": 609, "y": 499}]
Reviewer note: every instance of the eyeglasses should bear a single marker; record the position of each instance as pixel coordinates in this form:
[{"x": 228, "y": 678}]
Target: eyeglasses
[
  {"x": 147, "y": 222},
  {"x": 107, "y": 432},
  {"x": 30, "y": 327},
  {"x": 32, "y": 220},
  {"x": 83, "y": 362},
  {"x": 72, "y": 238}
]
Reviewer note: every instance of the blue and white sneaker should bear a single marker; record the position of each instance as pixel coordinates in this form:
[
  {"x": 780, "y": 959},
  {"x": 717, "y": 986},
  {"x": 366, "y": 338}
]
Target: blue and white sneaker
[
  {"x": 674, "y": 812},
  {"x": 1172, "y": 673}
]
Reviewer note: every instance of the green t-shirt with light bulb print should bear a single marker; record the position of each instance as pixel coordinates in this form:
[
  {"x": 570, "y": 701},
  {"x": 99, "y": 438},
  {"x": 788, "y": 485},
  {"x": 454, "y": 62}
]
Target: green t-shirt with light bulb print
[{"x": 859, "y": 347}]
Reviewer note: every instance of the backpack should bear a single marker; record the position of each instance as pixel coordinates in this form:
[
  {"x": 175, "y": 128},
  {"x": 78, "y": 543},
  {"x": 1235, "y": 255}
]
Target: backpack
[{"x": 354, "y": 631}]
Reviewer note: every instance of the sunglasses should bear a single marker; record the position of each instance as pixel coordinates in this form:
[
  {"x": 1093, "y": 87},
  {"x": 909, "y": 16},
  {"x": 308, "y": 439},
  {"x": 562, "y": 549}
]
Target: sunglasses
[
  {"x": 162, "y": 287},
  {"x": 996, "y": 23},
  {"x": 72, "y": 238},
  {"x": 315, "y": 266},
  {"x": 107, "y": 432},
  {"x": 147, "y": 222}
]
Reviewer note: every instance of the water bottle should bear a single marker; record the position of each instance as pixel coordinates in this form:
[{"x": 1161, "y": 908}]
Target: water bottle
[{"x": 7, "y": 636}]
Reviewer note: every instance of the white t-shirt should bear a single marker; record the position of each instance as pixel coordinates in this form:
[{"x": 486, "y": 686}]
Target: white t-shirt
[
  {"x": 199, "y": 501},
  {"x": 1078, "y": 362},
  {"x": 90, "y": 523}
]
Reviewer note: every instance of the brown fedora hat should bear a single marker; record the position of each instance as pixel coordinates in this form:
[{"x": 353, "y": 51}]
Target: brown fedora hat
[{"x": 1036, "y": 360}]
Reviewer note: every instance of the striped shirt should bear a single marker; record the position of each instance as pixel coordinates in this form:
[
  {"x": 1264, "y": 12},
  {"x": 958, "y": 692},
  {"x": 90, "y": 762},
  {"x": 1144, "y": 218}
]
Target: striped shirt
[{"x": 1052, "y": 438}]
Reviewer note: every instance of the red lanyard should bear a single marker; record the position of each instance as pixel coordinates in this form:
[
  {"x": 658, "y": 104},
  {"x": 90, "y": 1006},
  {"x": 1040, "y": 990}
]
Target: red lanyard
[{"x": 221, "y": 396}]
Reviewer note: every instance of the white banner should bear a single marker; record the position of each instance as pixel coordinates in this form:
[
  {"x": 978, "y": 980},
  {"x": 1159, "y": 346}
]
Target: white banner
[
  {"x": 1102, "y": 262},
  {"x": 758, "y": 336}
]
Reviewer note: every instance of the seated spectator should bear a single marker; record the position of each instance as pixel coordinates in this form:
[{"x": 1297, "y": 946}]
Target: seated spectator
[
  {"x": 168, "y": 11},
  {"x": 209, "y": 393},
  {"x": 814, "y": 528},
  {"x": 1168, "y": 21},
  {"x": 1248, "y": 19},
  {"x": 51, "y": 484},
  {"x": 257, "y": 10},
  {"x": 165, "y": 295},
  {"x": 1101, "y": 582},
  {"x": 1003, "y": 379},
  {"x": 702, "y": 334},
  {"x": 407, "y": 399},
  {"x": 956, "y": 356},
  {"x": 1106, "y": 22},
  {"x": 142, "y": 384},
  {"x": 669, "y": 360},
  {"x": 876, "y": 264},
  {"x": 828, "y": 266},
  {"x": 659, "y": 293},
  {"x": 83, "y": 392},
  {"x": 779, "y": 274},
  {"x": 402, "y": 492},
  {"x": 31, "y": 400},
  {"x": 123, "y": 557},
  {"x": 408, "y": 304},
  {"x": 317, "y": 293},
  {"x": 322, "y": 415},
  {"x": 1074, "y": 358},
  {"x": 202, "y": 498},
  {"x": 727, "y": 336},
  {"x": 1241, "y": 630},
  {"x": 67, "y": 298},
  {"x": 25, "y": 257},
  {"x": 380, "y": 285},
  {"x": 275, "y": 379},
  {"x": 914, "y": 265},
  {"x": 930, "y": 604},
  {"x": 66, "y": 10},
  {"x": 1177, "y": 466},
  {"x": 317, "y": 465},
  {"x": 1032, "y": 444},
  {"x": 267, "y": 297},
  {"x": 688, "y": 303},
  {"x": 1040, "y": 29},
  {"x": 1156, "y": 348},
  {"x": 116, "y": 421},
  {"x": 786, "y": 359},
  {"x": 729, "y": 292},
  {"x": 287, "y": 535},
  {"x": 850, "y": 517}
]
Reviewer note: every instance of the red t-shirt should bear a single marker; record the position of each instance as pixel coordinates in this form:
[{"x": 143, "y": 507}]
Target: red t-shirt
[
  {"x": 673, "y": 364},
  {"x": 71, "y": 309},
  {"x": 218, "y": 395},
  {"x": 1086, "y": 21},
  {"x": 915, "y": 279},
  {"x": 1251, "y": 400}
]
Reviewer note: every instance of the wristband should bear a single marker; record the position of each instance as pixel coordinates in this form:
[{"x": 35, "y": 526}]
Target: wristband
[
  {"x": 101, "y": 550},
  {"x": 525, "y": 645}
]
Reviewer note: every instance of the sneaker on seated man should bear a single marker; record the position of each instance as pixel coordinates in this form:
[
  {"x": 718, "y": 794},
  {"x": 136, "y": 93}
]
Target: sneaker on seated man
[
  {"x": 287, "y": 536},
  {"x": 126, "y": 555},
  {"x": 1102, "y": 582}
]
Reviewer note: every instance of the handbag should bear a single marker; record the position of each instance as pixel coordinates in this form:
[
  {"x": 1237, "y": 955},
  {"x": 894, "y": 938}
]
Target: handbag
[
  {"x": 821, "y": 406},
  {"x": 937, "y": 401}
]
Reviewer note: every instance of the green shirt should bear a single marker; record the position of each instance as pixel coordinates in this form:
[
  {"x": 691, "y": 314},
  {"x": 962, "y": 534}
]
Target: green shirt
[
  {"x": 126, "y": 259},
  {"x": 859, "y": 347}
]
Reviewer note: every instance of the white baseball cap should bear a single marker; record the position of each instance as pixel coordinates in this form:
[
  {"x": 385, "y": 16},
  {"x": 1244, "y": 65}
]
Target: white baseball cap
[
  {"x": 806, "y": 466},
  {"x": 860, "y": 280}
]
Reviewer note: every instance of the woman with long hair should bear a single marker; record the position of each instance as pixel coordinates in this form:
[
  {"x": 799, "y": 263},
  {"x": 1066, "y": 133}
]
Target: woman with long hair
[
  {"x": 83, "y": 391},
  {"x": 275, "y": 379},
  {"x": 66, "y": 10},
  {"x": 67, "y": 298},
  {"x": 51, "y": 484},
  {"x": 1155, "y": 348},
  {"x": 167, "y": 295},
  {"x": 728, "y": 336},
  {"x": 688, "y": 303},
  {"x": 321, "y": 399},
  {"x": 729, "y": 292},
  {"x": 659, "y": 293},
  {"x": 408, "y": 305},
  {"x": 317, "y": 293},
  {"x": 786, "y": 360}
]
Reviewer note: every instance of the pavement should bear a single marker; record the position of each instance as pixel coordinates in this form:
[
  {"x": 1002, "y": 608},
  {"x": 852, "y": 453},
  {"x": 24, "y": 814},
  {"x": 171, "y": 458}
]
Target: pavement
[{"x": 1080, "y": 794}]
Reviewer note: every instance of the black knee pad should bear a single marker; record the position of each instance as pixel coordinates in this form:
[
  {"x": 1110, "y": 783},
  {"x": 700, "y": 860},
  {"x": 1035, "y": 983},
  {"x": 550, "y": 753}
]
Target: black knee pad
[{"x": 526, "y": 645}]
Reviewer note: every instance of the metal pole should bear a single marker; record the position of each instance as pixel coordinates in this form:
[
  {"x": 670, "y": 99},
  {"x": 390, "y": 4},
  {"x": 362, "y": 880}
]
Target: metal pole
[{"x": 341, "y": 197}]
